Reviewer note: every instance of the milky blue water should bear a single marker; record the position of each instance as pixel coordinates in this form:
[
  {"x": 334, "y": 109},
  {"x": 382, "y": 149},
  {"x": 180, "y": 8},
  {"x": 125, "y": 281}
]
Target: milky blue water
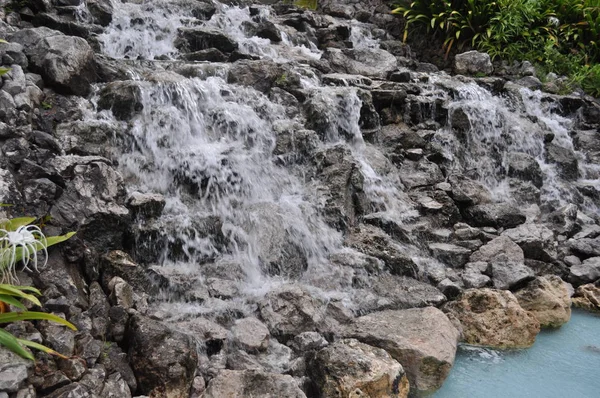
[{"x": 563, "y": 363}]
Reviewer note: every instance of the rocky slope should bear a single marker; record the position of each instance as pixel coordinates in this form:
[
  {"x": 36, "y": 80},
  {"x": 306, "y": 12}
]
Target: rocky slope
[{"x": 263, "y": 194}]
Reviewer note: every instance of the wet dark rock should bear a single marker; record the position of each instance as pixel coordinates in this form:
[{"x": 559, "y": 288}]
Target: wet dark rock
[
  {"x": 264, "y": 29},
  {"x": 453, "y": 255},
  {"x": 586, "y": 247},
  {"x": 423, "y": 340},
  {"x": 474, "y": 63},
  {"x": 449, "y": 288},
  {"x": 241, "y": 384},
  {"x": 163, "y": 361},
  {"x": 123, "y": 98},
  {"x": 115, "y": 361},
  {"x": 366, "y": 62},
  {"x": 210, "y": 55},
  {"x": 101, "y": 10},
  {"x": 349, "y": 367},
  {"x": 146, "y": 205},
  {"x": 525, "y": 167},
  {"x": 74, "y": 390},
  {"x": 565, "y": 160},
  {"x": 564, "y": 220},
  {"x": 196, "y": 39},
  {"x": 261, "y": 75},
  {"x": 498, "y": 215}
]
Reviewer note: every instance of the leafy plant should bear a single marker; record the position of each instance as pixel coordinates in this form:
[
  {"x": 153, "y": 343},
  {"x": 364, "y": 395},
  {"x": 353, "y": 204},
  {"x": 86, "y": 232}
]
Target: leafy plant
[
  {"x": 20, "y": 241},
  {"x": 308, "y": 4}
]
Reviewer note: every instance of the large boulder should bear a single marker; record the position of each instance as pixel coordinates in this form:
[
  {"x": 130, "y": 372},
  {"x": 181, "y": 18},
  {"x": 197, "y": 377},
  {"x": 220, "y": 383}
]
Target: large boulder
[
  {"x": 350, "y": 368},
  {"x": 586, "y": 272},
  {"x": 164, "y": 361},
  {"x": 537, "y": 241},
  {"x": 290, "y": 310},
  {"x": 548, "y": 299},
  {"x": 66, "y": 63},
  {"x": 196, "y": 39},
  {"x": 525, "y": 167},
  {"x": 493, "y": 318},
  {"x": 251, "y": 335},
  {"x": 587, "y": 297},
  {"x": 252, "y": 383},
  {"x": 497, "y": 215},
  {"x": 423, "y": 340},
  {"x": 473, "y": 62},
  {"x": 505, "y": 262},
  {"x": 371, "y": 62}
]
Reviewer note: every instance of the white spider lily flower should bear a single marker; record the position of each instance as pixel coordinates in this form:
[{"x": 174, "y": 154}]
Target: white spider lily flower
[
  {"x": 553, "y": 21},
  {"x": 22, "y": 244}
]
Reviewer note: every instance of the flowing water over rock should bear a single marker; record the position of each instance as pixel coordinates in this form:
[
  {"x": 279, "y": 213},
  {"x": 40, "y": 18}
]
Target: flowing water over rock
[{"x": 293, "y": 177}]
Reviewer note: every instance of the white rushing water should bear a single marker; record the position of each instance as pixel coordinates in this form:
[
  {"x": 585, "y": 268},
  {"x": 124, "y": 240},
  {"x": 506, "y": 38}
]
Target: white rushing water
[{"x": 207, "y": 146}]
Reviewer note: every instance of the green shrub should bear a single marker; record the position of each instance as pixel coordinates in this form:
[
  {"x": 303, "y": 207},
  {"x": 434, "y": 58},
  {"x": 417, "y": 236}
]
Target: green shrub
[{"x": 561, "y": 36}]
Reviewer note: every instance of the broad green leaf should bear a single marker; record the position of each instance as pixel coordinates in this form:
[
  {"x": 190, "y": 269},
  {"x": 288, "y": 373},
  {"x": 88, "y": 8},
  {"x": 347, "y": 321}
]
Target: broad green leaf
[
  {"x": 40, "y": 347},
  {"x": 53, "y": 240},
  {"x": 12, "y": 291},
  {"x": 15, "y": 223},
  {"x": 4, "y": 71},
  {"x": 9, "y": 341},
  {"x": 31, "y": 315},
  {"x": 12, "y": 301}
]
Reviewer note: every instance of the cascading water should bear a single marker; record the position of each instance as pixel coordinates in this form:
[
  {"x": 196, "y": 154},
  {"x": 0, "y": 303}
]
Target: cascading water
[{"x": 208, "y": 147}]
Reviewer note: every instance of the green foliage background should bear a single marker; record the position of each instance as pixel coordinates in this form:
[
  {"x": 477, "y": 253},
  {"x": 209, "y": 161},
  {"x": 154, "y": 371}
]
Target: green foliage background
[{"x": 561, "y": 36}]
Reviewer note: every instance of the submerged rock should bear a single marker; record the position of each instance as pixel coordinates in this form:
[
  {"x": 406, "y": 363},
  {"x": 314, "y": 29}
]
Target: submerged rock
[
  {"x": 423, "y": 340},
  {"x": 493, "y": 318},
  {"x": 548, "y": 299},
  {"x": 350, "y": 368}
]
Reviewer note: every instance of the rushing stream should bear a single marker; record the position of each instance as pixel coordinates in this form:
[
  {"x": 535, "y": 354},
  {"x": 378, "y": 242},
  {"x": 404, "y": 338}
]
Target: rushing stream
[{"x": 561, "y": 363}]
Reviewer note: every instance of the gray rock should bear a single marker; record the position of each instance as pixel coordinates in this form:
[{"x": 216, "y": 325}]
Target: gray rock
[
  {"x": 473, "y": 278},
  {"x": 163, "y": 361},
  {"x": 196, "y": 39},
  {"x": 290, "y": 311},
  {"x": 101, "y": 11},
  {"x": 454, "y": 256},
  {"x": 66, "y": 63},
  {"x": 473, "y": 62},
  {"x": 13, "y": 370},
  {"x": 374, "y": 242},
  {"x": 467, "y": 191},
  {"x": 29, "y": 37},
  {"x": 8, "y": 107},
  {"x": 370, "y": 62},
  {"x": 351, "y": 368},
  {"x": 565, "y": 160},
  {"x": 537, "y": 241},
  {"x": 59, "y": 338},
  {"x": 586, "y": 247},
  {"x": 72, "y": 368},
  {"x": 564, "y": 220},
  {"x": 251, "y": 335},
  {"x": 449, "y": 288},
  {"x": 74, "y": 390},
  {"x": 252, "y": 383},
  {"x": 14, "y": 81},
  {"x": 308, "y": 341},
  {"x": 90, "y": 138},
  {"x": 505, "y": 261},
  {"x": 497, "y": 215},
  {"x": 586, "y": 272},
  {"x": 261, "y": 75},
  {"x": 531, "y": 82},
  {"x": 12, "y": 53},
  {"x": 121, "y": 293},
  {"x": 115, "y": 387},
  {"x": 423, "y": 340},
  {"x": 400, "y": 292},
  {"x": 419, "y": 174},
  {"x": 525, "y": 167}
]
